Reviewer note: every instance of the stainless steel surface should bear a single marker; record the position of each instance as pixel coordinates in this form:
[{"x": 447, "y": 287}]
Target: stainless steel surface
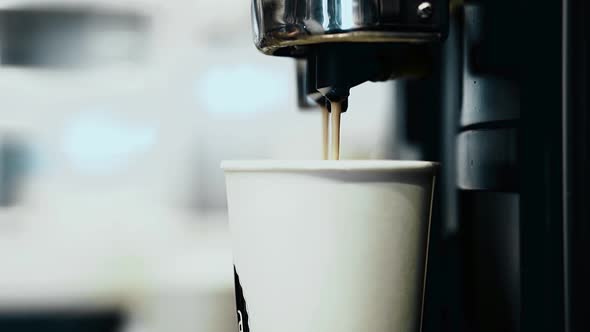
[{"x": 283, "y": 24}]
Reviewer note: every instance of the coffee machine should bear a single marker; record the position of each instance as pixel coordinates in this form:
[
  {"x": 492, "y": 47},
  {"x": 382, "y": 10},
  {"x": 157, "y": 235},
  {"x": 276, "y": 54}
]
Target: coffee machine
[
  {"x": 341, "y": 44},
  {"x": 496, "y": 91}
]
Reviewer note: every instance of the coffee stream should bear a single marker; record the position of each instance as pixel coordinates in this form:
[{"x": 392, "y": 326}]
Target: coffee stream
[
  {"x": 336, "y": 110},
  {"x": 325, "y": 132}
]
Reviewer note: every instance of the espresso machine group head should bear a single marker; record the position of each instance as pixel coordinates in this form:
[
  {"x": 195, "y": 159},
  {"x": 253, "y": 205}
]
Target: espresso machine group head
[{"x": 340, "y": 44}]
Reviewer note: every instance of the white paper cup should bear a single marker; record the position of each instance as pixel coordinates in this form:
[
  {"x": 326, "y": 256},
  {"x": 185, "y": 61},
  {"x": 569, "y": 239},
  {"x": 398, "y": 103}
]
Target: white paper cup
[{"x": 329, "y": 246}]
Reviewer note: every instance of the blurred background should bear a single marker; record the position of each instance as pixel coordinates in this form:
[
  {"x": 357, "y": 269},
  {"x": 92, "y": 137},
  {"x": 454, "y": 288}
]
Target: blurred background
[
  {"x": 116, "y": 114},
  {"x": 114, "y": 117}
]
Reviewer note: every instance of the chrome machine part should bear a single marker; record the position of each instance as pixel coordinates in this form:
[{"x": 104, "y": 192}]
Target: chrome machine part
[
  {"x": 343, "y": 43},
  {"x": 282, "y": 26}
]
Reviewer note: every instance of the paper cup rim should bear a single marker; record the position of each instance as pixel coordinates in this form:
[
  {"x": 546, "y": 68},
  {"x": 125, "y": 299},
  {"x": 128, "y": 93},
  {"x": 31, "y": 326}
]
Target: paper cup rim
[{"x": 327, "y": 165}]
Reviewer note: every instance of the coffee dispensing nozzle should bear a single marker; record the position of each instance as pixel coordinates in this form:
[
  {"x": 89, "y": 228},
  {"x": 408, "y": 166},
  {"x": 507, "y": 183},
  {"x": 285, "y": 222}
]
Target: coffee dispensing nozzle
[{"x": 341, "y": 44}]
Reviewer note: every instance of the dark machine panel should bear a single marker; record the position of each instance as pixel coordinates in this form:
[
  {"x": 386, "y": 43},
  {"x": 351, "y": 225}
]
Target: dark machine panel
[{"x": 488, "y": 159}]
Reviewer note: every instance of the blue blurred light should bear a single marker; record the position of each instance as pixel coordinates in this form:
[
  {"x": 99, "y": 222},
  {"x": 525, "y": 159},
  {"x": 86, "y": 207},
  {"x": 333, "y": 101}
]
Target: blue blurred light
[
  {"x": 99, "y": 143},
  {"x": 242, "y": 89}
]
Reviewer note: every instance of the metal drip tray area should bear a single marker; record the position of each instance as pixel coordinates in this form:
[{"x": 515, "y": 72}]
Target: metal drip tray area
[{"x": 41, "y": 321}]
